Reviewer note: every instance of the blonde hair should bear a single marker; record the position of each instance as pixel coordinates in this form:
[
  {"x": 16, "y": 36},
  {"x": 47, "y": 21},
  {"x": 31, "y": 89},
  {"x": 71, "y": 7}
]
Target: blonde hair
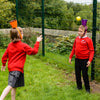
[
  {"x": 83, "y": 28},
  {"x": 14, "y": 35}
]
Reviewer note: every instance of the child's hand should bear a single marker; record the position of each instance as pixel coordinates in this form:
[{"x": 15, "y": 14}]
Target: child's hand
[
  {"x": 3, "y": 68},
  {"x": 88, "y": 64},
  {"x": 39, "y": 39},
  {"x": 70, "y": 61}
]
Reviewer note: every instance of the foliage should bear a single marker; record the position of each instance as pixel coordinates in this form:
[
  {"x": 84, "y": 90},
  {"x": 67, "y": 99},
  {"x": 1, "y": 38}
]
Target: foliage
[
  {"x": 28, "y": 38},
  {"x": 58, "y": 14},
  {"x": 4, "y": 40},
  {"x": 32, "y": 12},
  {"x": 45, "y": 82},
  {"x": 97, "y": 69},
  {"x": 63, "y": 44},
  {"x": 37, "y": 22},
  {"x": 98, "y": 48},
  {"x": 6, "y": 13},
  {"x": 68, "y": 19},
  {"x": 76, "y": 7},
  {"x": 97, "y": 62},
  {"x": 14, "y": 1},
  {"x": 84, "y": 15},
  {"x": 98, "y": 16}
]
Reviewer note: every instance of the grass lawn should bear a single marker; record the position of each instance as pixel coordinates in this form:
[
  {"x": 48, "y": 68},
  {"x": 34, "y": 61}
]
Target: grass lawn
[{"x": 44, "y": 81}]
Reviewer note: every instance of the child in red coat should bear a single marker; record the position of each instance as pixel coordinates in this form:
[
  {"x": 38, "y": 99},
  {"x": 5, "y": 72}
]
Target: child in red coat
[
  {"x": 16, "y": 55},
  {"x": 84, "y": 53}
]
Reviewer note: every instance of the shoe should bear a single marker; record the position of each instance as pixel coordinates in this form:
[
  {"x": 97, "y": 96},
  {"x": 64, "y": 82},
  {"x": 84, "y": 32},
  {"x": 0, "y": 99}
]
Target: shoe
[
  {"x": 88, "y": 90},
  {"x": 79, "y": 88}
]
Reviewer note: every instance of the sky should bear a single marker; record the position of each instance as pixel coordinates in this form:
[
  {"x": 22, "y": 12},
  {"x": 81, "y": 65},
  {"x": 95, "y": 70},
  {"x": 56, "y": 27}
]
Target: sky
[{"x": 82, "y": 1}]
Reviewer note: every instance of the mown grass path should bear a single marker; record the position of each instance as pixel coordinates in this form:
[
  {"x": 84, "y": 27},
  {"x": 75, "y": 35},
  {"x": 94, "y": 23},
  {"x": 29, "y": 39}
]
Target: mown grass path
[{"x": 45, "y": 82}]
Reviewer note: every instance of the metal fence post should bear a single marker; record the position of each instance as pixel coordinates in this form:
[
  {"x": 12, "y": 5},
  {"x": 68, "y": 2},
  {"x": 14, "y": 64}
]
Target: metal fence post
[
  {"x": 94, "y": 37},
  {"x": 17, "y": 10},
  {"x": 43, "y": 44}
]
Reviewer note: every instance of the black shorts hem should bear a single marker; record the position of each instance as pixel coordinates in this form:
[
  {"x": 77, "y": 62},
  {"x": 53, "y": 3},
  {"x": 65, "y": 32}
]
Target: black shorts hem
[{"x": 16, "y": 79}]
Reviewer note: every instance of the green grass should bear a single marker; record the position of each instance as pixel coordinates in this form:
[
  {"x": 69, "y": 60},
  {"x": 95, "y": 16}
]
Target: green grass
[
  {"x": 45, "y": 81},
  {"x": 57, "y": 60}
]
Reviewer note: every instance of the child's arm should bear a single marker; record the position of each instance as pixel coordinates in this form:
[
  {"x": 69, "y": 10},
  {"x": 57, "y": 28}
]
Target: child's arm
[
  {"x": 72, "y": 52},
  {"x": 91, "y": 49},
  {"x": 3, "y": 68},
  {"x": 33, "y": 51},
  {"x": 4, "y": 60}
]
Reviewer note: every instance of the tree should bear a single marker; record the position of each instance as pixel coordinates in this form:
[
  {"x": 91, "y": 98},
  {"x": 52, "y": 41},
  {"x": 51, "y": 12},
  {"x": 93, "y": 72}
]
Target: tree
[
  {"x": 67, "y": 19},
  {"x": 76, "y": 7},
  {"x": 14, "y": 1},
  {"x": 98, "y": 16},
  {"x": 28, "y": 10},
  {"x": 6, "y": 14},
  {"x": 58, "y": 16}
]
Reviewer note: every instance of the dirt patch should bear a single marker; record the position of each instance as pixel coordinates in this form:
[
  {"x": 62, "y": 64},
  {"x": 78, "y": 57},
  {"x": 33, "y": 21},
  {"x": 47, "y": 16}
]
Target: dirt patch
[{"x": 94, "y": 85}]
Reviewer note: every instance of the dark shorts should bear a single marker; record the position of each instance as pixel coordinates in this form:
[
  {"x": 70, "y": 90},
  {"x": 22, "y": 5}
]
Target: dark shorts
[{"x": 16, "y": 79}]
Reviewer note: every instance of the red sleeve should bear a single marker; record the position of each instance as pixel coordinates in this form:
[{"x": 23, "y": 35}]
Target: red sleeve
[
  {"x": 73, "y": 50},
  {"x": 32, "y": 51},
  {"x": 5, "y": 57},
  {"x": 91, "y": 49}
]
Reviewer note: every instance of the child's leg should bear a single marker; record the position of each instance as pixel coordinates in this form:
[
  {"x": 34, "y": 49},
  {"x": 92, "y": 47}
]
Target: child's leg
[
  {"x": 13, "y": 93},
  {"x": 85, "y": 75},
  {"x": 5, "y": 92},
  {"x": 78, "y": 73}
]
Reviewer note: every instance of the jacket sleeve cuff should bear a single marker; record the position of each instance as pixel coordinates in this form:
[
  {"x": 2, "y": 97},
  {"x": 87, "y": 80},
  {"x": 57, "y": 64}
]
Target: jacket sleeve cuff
[
  {"x": 3, "y": 64},
  {"x": 70, "y": 57},
  {"x": 90, "y": 60}
]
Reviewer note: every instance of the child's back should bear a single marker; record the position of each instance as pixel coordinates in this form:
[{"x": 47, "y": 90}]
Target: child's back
[{"x": 16, "y": 53}]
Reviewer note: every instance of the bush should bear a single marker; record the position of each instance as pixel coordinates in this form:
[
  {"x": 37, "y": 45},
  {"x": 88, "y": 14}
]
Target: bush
[
  {"x": 98, "y": 49},
  {"x": 63, "y": 44},
  {"x": 37, "y": 22},
  {"x": 97, "y": 62},
  {"x": 7, "y": 13},
  {"x": 4, "y": 40},
  {"x": 97, "y": 69},
  {"x": 29, "y": 38}
]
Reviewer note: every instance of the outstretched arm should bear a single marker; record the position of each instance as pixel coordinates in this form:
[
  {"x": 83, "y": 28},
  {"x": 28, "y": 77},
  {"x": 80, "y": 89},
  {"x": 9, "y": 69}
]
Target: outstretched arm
[{"x": 33, "y": 51}]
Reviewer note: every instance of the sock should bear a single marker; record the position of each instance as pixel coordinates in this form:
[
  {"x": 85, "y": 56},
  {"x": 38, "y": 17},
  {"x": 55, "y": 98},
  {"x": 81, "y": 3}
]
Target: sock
[{"x": 0, "y": 98}]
